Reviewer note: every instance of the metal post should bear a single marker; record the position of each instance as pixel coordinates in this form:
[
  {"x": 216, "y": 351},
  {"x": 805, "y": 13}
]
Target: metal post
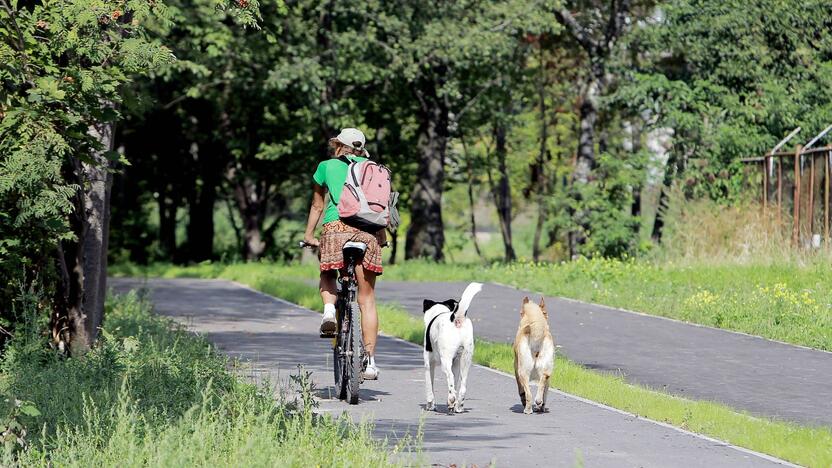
[
  {"x": 811, "y": 212},
  {"x": 779, "y": 193},
  {"x": 796, "y": 215},
  {"x": 826, "y": 202},
  {"x": 765, "y": 184}
]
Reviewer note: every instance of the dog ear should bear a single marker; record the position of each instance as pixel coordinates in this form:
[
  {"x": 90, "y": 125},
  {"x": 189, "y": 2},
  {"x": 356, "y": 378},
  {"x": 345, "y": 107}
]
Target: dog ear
[
  {"x": 543, "y": 307},
  {"x": 451, "y": 304},
  {"x": 427, "y": 304},
  {"x": 526, "y": 300}
]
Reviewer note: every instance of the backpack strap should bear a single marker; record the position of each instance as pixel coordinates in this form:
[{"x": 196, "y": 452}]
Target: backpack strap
[{"x": 348, "y": 162}]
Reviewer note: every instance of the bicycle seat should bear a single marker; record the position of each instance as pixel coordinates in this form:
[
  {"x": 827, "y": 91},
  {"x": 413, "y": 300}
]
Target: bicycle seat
[
  {"x": 355, "y": 245},
  {"x": 354, "y": 251}
]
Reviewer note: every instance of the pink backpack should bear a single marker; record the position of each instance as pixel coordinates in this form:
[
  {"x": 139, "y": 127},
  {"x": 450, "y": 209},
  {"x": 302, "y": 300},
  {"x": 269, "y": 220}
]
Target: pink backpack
[{"x": 367, "y": 201}]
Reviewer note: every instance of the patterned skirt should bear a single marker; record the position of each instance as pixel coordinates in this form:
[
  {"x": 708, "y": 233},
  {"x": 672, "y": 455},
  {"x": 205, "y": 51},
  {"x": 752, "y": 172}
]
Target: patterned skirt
[{"x": 335, "y": 234}]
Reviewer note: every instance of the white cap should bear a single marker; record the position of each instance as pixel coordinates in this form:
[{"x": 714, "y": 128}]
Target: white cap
[{"x": 352, "y": 137}]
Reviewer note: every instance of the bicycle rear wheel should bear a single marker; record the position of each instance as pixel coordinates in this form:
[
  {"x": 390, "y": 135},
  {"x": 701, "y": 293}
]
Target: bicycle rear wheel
[{"x": 355, "y": 359}]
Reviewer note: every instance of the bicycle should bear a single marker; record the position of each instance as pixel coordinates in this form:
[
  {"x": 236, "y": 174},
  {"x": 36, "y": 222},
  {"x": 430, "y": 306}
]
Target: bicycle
[{"x": 349, "y": 358}]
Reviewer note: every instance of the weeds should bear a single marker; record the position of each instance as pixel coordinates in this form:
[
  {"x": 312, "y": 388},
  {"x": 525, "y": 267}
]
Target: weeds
[{"x": 152, "y": 394}]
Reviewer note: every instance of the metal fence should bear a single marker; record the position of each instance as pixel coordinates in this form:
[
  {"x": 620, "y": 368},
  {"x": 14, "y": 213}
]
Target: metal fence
[{"x": 796, "y": 184}]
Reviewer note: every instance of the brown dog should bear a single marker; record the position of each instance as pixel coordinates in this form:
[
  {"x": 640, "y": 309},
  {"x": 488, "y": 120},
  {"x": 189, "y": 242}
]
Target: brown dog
[{"x": 534, "y": 354}]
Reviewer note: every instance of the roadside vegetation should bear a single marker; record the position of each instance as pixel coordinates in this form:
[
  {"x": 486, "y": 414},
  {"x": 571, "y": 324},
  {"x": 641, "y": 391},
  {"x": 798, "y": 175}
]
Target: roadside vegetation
[
  {"x": 783, "y": 301},
  {"x": 799, "y": 444},
  {"x": 152, "y": 394}
]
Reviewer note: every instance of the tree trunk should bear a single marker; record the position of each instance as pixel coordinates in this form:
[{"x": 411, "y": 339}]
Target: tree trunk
[
  {"x": 251, "y": 205},
  {"x": 635, "y": 208},
  {"x": 426, "y": 235},
  {"x": 670, "y": 171},
  {"x": 99, "y": 181},
  {"x": 472, "y": 206},
  {"x": 585, "y": 162},
  {"x": 394, "y": 246},
  {"x": 238, "y": 232},
  {"x": 200, "y": 230},
  {"x": 539, "y": 182},
  {"x": 502, "y": 192},
  {"x": 167, "y": 226},
  {"x": 68, "y": 321}
]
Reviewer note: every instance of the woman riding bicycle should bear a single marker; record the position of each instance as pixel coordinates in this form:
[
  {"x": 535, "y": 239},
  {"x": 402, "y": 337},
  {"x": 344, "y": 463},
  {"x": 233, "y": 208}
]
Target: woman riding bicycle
[{"x": 329, "y": 178}]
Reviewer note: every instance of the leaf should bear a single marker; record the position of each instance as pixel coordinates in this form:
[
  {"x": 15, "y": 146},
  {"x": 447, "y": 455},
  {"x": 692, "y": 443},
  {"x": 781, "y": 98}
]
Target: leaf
[
  {"x": 113, "y": 155},
  {"x": 29, "y": 410}
]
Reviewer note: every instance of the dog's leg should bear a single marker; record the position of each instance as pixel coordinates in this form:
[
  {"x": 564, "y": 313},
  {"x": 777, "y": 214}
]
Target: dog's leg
[
  {"x": 526, "y": 392},
  {"x": 520, "y": 388},
  {"x": 446, "y": 359},
  {"x": 524, "y": 364},
  {"x": 543, "y": 364},
  {"x": 429, "y": 365},
  {"x": 542, "y": 389},
  {"x": 462, "y": 387},
  {"x": 455, "y": 371}
]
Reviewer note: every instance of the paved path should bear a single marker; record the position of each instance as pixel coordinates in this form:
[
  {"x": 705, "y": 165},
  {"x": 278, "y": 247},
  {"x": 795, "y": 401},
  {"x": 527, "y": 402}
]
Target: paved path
[
  {"x": 276, "y": 335},
  {"x": 761, "y": 376}
]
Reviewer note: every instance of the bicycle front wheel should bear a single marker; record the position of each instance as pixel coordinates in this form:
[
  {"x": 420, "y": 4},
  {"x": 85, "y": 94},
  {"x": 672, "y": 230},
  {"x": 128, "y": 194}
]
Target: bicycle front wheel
[{"x": 355, "y": 359}]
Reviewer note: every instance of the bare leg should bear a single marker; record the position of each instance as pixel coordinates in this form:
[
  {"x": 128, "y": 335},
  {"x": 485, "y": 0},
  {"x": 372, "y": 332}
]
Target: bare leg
[
  {"x": 327, "y": 287},
  {"x": 367, "y": 303}
]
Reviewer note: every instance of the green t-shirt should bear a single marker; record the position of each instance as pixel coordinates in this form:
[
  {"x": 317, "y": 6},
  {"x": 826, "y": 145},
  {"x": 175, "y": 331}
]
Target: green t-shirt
[{"x": 332, "y": 174}]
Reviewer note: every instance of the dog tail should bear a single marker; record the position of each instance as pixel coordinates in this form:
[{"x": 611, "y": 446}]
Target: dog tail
[{"x": 467, "y": 297}]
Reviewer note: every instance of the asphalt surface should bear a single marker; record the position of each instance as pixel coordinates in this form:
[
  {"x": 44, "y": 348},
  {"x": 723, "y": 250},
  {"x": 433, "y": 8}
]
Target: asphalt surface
[
  {"x": 761, "y": 376},
  {"x": 275, "y": 336}
]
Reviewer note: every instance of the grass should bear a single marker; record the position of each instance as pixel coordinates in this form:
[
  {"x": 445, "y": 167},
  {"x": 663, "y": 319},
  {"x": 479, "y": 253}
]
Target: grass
[
  {"x": 151, "y": 394},
  {"x": 799, "y": 444},
  {"x": 784, "y": 301}
]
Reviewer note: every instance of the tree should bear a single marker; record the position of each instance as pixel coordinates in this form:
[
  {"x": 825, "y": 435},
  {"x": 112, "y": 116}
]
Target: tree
[
  {"x": 445, "y": 54},
  {"x": 597, "y": 37},
  {"x": 63, "y": 67},
  {"x": 769, "y": 76}
]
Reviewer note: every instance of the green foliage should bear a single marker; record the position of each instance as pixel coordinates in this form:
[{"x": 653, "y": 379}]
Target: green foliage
[
  {"x": 65, "y": 64},
  {"x": 154, "y": 394},
  {"x": 731, "y": 79}
]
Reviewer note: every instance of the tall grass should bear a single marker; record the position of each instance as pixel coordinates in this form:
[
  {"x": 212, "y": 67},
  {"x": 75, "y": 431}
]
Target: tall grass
[
  {"x": 151, "y": 394},
  {"x": 706, "y": 232}
]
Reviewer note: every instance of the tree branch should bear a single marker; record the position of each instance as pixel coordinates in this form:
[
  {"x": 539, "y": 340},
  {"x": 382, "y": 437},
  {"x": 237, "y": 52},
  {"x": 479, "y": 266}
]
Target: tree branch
[
  {"x": 465, "y": 107},
  {"x": 20, "y": 42},
  {"x": 615, "y": 26},
  {"x": 577, "y": 31}
]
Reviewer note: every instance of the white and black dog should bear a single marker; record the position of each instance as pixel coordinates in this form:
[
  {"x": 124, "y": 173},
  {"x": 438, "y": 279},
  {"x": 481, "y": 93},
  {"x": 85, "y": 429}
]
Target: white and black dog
[{"x": 449, "y": 342}]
